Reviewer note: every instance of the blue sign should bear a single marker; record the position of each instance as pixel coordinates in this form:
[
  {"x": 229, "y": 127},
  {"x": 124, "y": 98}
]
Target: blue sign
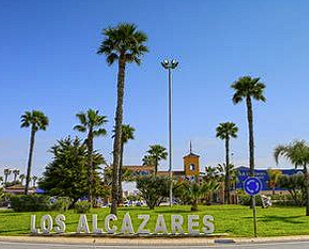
[{"x": 252, "y": 185}]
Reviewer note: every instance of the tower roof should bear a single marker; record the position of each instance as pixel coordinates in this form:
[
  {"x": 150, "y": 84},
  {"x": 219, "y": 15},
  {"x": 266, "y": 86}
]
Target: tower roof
[{"x": 190, "y": 152}]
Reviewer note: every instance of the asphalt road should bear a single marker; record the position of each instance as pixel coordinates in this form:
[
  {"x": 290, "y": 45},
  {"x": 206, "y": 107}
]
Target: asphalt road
[{"x": 281, "y": 245}]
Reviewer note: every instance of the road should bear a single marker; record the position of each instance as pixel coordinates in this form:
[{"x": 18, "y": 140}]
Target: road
[{"x": 275, "y": 245}]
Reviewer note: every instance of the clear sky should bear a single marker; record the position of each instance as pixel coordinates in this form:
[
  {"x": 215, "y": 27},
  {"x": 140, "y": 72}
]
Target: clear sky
[{"x": 48, "y": 62}]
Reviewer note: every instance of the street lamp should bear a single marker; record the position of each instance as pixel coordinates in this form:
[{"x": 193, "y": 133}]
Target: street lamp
[{"x": 169, "y": 65}]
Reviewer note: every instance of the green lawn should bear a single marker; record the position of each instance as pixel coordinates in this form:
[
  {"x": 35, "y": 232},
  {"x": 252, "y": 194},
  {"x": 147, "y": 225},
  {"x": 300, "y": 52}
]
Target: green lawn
[{"x": 235, "y": 220}]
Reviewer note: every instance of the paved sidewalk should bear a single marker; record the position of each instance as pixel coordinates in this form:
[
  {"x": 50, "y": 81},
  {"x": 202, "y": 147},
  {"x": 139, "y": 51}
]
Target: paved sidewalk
[{"x": 144, "y": 241}]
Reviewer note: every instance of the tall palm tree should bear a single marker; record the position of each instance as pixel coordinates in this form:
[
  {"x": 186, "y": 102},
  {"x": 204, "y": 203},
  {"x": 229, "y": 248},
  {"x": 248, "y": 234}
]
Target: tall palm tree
[
  {"x": 22, "y": 177},
  {"x": 248, "y": 88},
  {"x": 148, "y": 160},
  {"x": 297, "y": 153},
  {"x": 226, "y": 131},
  {"x": 34, "y": 179},
  {"x": 125, "y": 44},
  {"x": 91, "y": 123},
  {"x": 127, "y": 134},
  {"x": 6, "y": 172},
  {"x": 36, "y": 120},
  {"x": 16, "y": 173},
  {"x": 158, "y": 153}
]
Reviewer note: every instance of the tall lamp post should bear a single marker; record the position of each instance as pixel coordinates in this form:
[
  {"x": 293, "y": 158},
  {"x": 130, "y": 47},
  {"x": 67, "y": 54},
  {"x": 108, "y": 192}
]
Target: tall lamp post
[{"x": 169, "y": 65}]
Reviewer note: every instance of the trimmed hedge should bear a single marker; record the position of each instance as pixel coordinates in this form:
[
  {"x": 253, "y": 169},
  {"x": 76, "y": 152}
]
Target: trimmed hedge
[{"x": 30, "y": 203}]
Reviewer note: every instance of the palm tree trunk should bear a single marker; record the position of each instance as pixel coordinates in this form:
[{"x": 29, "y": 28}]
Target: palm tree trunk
[
  {"x": 227, "y": 173},
  {"x": 118, "y": 133},
  {"x": 251, "y": 139},
  {"x": 6, "y": 178},
  {"x": 90, "y": 165},
  {"x": 120, "y": 194},
  {"x": 156, "y": 167},
  {"x": 32, "y": 138},
  {"x": 307, "y": 188}
]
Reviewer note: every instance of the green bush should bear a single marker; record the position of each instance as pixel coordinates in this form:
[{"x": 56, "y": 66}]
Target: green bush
[
  {"x": 30, "y": 203},
  {"x": 62, "y": 204},
  {"x": 82, "y": 207},
  {"x": 246, "y": 200}
]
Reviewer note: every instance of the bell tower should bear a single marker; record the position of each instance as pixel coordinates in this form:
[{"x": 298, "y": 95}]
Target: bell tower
[{"x": 191, "y": 164}]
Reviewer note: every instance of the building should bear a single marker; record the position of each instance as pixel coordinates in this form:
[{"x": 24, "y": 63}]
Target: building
[
  {"x": 244, "y": 172},
  {"x": 191, "y": 168}
]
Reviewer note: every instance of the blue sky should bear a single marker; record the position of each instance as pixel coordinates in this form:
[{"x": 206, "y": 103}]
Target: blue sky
[{"x": 48, "y": 62}]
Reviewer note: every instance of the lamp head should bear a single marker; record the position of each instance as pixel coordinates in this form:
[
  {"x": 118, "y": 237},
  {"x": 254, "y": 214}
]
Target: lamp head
[
  {"x": 165, "y": 63},
  {"x": 174, "y": 63}
]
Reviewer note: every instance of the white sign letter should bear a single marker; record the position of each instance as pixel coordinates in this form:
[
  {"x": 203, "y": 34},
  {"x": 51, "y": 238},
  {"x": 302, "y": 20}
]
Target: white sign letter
[
  {"x": 193, "y": 222},
  {"x": 33, "y": 229},
  {"x": 141, "y": 229},
  {"x": 60, "y": 222},
  {"x": 161, "y": 226},
  {"x": 83, "y": 224},
  {"x": 46, "y": 218},
  {"x": 177, "y": 221},
  {"x": 127, "y": 226},
  {"x": 95, "y": 228},
  {"x": 208, "y": 224},
  {"x": 106, "y": 223}
]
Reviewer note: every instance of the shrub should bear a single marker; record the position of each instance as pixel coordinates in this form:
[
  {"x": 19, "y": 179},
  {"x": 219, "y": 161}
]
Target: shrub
[
  {"x": 30, "y": 203},
  {"x": 82, "y": 207},
  {"x": 246, "y": 200},
  {"x": 62, "y": 204}
]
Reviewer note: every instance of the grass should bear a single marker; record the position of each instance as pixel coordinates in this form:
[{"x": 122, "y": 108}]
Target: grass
[{"x": 232, "y": 219}]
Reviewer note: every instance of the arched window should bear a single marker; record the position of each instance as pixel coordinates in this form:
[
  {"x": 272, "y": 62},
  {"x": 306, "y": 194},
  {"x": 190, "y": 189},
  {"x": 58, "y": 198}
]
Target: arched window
[{"x": 192, "y": 167}]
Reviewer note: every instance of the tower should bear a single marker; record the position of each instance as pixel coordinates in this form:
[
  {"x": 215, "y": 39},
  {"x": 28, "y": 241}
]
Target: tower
[{"x": 191, "y": 163}]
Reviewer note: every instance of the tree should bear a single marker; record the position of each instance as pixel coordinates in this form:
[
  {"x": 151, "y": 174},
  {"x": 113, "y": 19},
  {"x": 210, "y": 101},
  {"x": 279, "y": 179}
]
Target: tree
[
  {"x": 6, "y": 172},
  {"x": 158, "y": 153},
  {"x": 248, "y": 88},
  {"x": 296, "y": 187},
  {"x": 91, "y": 123},
  {"x": 70, "y": 164},
  {"x": 127, "y": 134},
  {"x": 233, "y": 174},
  {"x": 226, "y": 131},
  {"x": 36, "y": 120},
  {"x": 273, "y": 175},
  {"x": 211, "y": 173},
  {"x": 125, "y": 44},
  {"x": 195, "y": 191},
  {"x": 16, "y": 173},
  {"x": 22, "y": 177},
  {"x": 297, "y": 153},
  {"x": 153, "y": 189},
  {"x": 148, "y": 160},
  {"x": 34, "y": 179}
]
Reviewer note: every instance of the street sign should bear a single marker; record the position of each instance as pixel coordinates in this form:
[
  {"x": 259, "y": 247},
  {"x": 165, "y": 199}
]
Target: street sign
[{"x": 252, "y": 186}]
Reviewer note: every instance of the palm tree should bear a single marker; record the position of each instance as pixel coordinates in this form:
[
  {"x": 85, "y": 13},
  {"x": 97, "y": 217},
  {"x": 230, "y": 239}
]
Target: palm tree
[
  {"x": 22, "y": 177},
  {"x": 125, "y": 44},
  {"x": 34, "y": 179},
  {"x": 36, "y": 120},
  {"x": 158, "y": 153},
  {"x": 273, "y": 175},
  {"x": 127, "y": 134},
  {"x": 225, "y": 131},
  {"x": 148, "y": 160},
  {"x": 195, "y": 191},
  {"x": 246, "y": 88},
  {"x": 297, "y": 153},
  {"x": 6, "y": 172},
  {"x": 91, "y": 123},
  {"x": 16, "y": 173},
  {"x": 1, "y": 179}
]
